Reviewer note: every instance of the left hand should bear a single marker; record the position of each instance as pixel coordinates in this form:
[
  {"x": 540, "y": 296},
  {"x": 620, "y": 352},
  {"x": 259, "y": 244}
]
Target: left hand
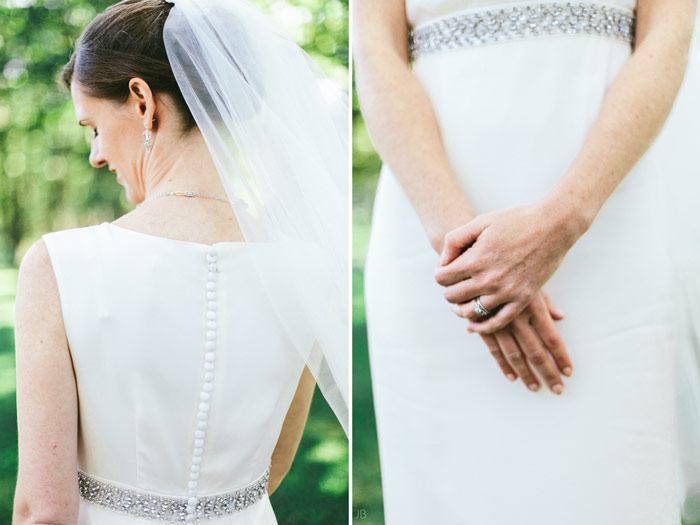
[{"x": 504, "y": 257}]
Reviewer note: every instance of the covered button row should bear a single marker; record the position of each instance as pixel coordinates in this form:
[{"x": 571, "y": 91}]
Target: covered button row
[{"x": 207, "y": 386}]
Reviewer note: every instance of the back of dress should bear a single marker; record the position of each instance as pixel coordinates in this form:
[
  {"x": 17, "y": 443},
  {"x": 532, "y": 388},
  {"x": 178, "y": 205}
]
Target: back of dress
[{"x": 184, "y": 375}]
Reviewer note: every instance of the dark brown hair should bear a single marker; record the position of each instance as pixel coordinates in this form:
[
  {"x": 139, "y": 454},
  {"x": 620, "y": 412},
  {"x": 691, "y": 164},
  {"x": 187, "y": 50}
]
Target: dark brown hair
[{"x": 126, "y": 41}]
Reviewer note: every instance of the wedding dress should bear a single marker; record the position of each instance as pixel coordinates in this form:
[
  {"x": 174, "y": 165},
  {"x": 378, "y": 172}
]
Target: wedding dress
[
  {"x": 516, "y": 87},
  {"x": 181, "y": 366}
]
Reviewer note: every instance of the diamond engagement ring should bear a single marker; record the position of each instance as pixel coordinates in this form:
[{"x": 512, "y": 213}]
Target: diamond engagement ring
[{"x": 480, "y": 309}]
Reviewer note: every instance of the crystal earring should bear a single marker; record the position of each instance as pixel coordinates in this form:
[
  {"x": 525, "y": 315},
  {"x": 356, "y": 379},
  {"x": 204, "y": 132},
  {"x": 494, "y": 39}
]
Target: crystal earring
[{"x": 147, "y": 133}]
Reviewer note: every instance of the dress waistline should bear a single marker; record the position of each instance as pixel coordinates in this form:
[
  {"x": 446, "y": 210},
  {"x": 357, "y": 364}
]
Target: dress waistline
[
  {"x": 478, "y": 27},
  {"x": 172, "y": 509}
]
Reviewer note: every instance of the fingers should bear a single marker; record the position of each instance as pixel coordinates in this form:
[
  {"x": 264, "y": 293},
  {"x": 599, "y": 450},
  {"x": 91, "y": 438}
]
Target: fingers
[
  {"x": 495, "y": 350},
  {"x": 462, "y": 292},
  {"x": 497, "y": 321},
  {"x": 467, "y": 310},
  {"x": 549, "y": 335},
  {"x": 554, "y": 312},
  {"x": 537, "y": 355},
  {"x": 458, "y": 270},
  {"x": 515, "y": 359},
  {"x": 459, "y": 239}
]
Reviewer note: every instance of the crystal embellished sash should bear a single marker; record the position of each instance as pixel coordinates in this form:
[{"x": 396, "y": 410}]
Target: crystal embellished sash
[
  {"x": 172, "y": 509},
  {"x": 475, "y": 28}
]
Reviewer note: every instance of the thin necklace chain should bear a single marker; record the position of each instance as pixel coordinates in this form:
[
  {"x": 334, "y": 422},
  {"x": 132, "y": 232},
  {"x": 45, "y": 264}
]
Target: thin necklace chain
[{"x": 184, "y": 194}]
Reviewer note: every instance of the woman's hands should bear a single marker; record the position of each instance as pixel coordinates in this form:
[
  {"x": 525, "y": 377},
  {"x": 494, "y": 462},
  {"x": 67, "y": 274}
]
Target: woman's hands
[
  {"x": 505, "y": 257},
  {"x": 530, "y": 340}
]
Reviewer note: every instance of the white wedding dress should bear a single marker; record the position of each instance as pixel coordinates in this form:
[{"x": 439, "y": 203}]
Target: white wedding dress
[
  {"x": 458, "y": 443},
  {"x": 184, "y": 374}
]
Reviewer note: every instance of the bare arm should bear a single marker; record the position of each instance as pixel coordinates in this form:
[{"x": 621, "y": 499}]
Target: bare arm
[
  {"x": 400, "y": 117},
  {"x": 292, "y": 430},
  {"x": 515, "y": 251},
  {"x": 634, "y": 109},
  {"x": 47, "y": 401}
]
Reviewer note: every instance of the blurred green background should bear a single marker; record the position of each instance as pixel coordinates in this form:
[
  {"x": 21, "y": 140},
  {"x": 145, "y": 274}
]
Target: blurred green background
[
  {"x": 47, "y": 184},
  {"x": 366, "y": 484}
]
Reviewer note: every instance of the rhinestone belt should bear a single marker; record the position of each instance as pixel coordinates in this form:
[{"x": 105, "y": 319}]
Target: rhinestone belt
[
  {"x": 515, "y": 22},
  {"x": 158, "y": 507}
]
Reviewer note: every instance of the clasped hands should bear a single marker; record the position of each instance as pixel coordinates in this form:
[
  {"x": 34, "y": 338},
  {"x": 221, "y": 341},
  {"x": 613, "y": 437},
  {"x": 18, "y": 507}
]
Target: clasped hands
[{"x": 504, "y": 258}]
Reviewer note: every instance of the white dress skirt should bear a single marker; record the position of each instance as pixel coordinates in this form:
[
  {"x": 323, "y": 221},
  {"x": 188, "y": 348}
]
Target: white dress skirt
[{"x": 458, "y": 443}]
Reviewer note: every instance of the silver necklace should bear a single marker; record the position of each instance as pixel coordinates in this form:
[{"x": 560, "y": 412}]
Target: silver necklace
[{"x": 184, "y": 194}]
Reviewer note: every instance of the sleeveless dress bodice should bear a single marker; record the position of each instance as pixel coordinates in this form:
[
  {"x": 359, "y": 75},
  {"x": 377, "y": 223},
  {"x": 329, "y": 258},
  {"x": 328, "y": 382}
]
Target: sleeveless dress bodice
[{"x": 149, "y": 327}]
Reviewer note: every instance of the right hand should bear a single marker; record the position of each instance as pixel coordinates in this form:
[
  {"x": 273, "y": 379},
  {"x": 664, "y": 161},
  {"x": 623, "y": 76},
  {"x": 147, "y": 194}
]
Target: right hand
[{"x": 530, "y": 339}]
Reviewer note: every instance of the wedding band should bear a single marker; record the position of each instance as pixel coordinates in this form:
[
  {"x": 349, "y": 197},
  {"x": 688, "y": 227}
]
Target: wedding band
[{"x": 480, "y": 309}]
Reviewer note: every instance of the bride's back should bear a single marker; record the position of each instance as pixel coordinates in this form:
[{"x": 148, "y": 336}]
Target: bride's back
[{"x": 180, "y": 363}]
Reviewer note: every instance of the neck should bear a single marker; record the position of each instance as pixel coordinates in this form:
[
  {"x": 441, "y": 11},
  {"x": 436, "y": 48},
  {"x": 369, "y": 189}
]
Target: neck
[{"x": 184, "y": 166}]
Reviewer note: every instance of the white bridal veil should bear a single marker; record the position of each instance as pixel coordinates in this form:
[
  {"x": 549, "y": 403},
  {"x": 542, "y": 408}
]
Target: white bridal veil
[
  {"x": 277, "y": 130},
  {"x": 678, "y": 148}
]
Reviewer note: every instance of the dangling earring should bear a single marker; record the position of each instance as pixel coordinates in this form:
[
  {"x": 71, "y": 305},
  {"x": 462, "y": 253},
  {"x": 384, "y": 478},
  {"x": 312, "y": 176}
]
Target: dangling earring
[{"x": 147, "y": 134}]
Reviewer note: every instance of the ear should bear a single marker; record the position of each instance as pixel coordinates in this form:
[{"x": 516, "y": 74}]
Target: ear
[{"x": 142, "y": 100}]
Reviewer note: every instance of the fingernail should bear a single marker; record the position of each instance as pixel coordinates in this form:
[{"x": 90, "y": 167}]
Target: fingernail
[
  {"x": 470, "y": 328},
  {"x": 511, "y": 377},
  {"x": 567, "y": 371},
  {"x": 442, "y": 258},
  {"x": 557, "y": 389},
  {"x": 533, "y": 387}
]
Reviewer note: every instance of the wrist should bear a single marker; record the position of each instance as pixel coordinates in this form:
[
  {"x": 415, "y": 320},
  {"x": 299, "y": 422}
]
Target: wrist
[
  {"x": 570, "y": 216},
  {"x": 436, "y": 234}
]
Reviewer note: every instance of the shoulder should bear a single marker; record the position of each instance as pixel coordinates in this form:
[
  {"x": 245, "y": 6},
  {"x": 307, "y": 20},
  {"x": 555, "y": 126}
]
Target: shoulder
[
  {"x": 36, "y": 263},
  {"x": 37, "y": 291}
]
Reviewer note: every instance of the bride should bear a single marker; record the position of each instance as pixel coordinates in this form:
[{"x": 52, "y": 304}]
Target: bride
[
  {"x": 166, "y": 361},
  {"x": 519, "y": 185}
]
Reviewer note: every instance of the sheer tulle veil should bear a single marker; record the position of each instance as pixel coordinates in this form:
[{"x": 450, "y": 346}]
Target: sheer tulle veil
[
  {"x": 277, "y": 130},
  {"x": 677, "y": 149}
]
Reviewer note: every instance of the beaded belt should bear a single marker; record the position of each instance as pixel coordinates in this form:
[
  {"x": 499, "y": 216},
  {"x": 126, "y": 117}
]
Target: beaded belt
[
  {"x": 158, "y": 507},
  {"x": 515, "y": 22}
]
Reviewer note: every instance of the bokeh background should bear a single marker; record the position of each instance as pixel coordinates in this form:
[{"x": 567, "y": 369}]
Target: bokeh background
[
  {"x": 366, "y": 484},
  {"x": 47, "y": 184}
]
